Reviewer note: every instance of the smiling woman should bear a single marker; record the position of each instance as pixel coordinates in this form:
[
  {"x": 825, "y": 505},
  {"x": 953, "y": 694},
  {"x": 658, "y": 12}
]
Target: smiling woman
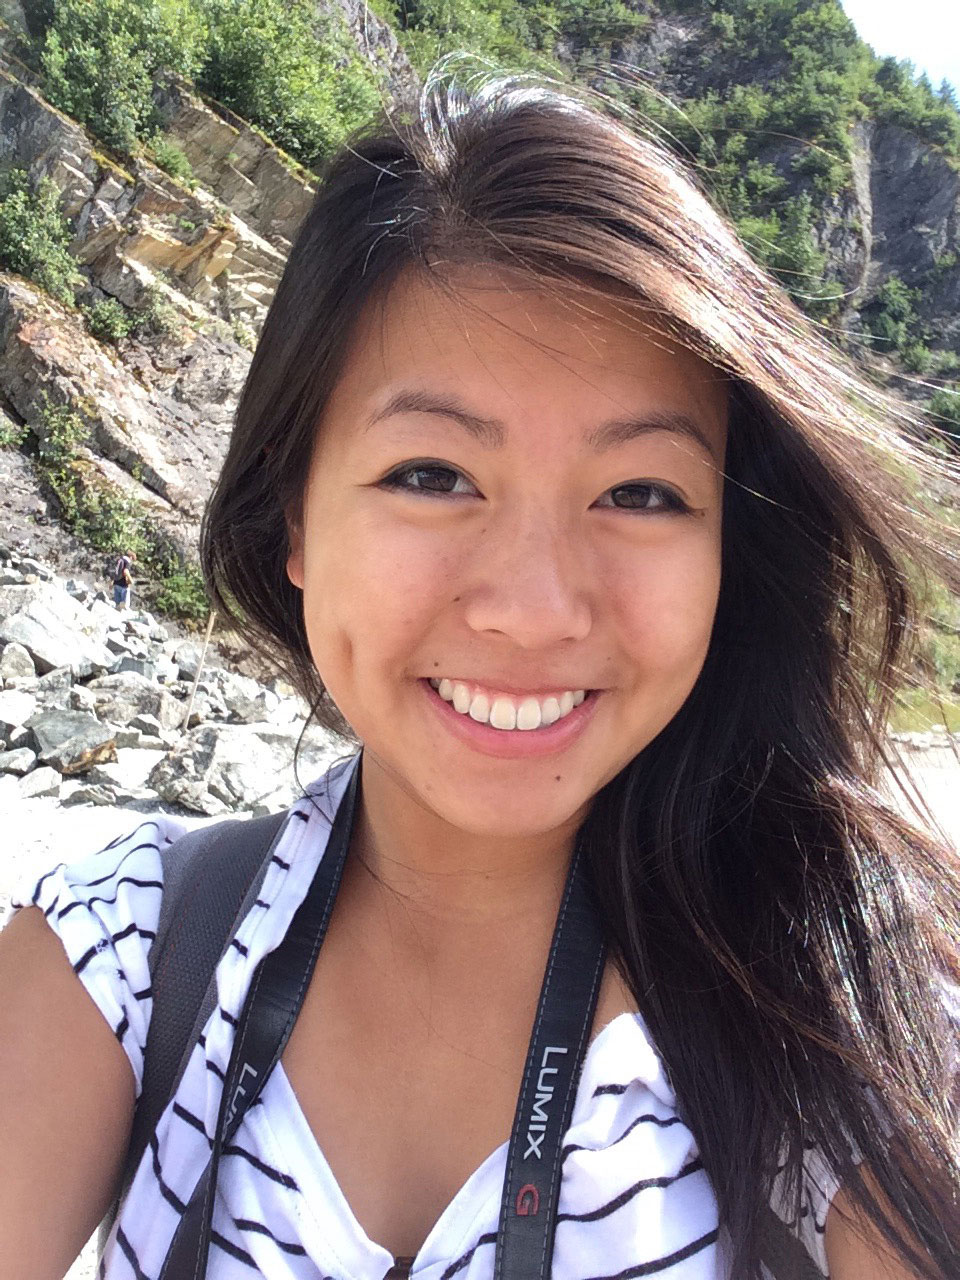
[{"x": 558, "y": 510}]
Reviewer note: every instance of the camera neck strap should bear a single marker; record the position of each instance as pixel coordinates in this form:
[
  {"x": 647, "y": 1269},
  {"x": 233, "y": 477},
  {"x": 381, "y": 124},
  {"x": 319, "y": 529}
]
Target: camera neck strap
[{"x": 568, "y": 997}]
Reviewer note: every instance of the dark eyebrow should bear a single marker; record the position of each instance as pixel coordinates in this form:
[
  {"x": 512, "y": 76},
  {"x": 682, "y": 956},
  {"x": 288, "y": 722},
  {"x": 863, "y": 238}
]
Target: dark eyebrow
[{"x": 492, "y": 433}]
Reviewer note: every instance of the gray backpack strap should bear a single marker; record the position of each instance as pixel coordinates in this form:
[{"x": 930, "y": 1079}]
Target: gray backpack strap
[
  {"x": 211, "y": 879},
  {"x": 782, "y": 1251}
]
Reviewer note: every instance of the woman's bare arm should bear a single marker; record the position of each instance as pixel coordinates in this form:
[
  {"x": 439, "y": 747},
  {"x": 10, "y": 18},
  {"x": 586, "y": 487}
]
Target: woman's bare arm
[{"x": 67, "y": 1095}]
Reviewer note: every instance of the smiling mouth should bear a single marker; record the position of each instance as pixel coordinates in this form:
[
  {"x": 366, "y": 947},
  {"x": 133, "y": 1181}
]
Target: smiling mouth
[{"x": 508, "y": 712}]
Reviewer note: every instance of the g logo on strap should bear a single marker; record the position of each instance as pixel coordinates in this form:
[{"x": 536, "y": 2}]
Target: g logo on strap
[{"x": 528, "y": 1201}]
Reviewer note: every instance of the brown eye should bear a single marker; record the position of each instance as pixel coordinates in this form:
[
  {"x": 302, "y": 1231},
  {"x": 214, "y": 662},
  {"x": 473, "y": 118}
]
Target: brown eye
[
  {"x": 646, "y": 497},
  {"x": 424, "y": 478}
]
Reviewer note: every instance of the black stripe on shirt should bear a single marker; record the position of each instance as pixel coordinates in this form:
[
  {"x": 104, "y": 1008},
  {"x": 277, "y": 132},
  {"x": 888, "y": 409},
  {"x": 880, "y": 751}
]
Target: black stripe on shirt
[
  {"x": 234, "y": 1250},
  {"x": 166, "y": 1190},
  {"x": 148, "y": 844},
  {"x": 114, "y": 937},
  {"x": 130, "y": 1254},
  {"x": 245, "y": 1224},
  {"x": 142, "y": 884},
  {"x": 604, "y": 1211},
  {"x": 464, "y": 1259},
  {"x": 194, "y": 1121},
  {"x": 280, "y": 862},
  {"x": 662, "y": 1123},
  {"x": 128, "y": 835},
  {"x": 662, "y": 1264},
  {"x": 284, "y": 1179},
  {"x": 46, "y": 876},
  {"x": 616, "y": 1089}
]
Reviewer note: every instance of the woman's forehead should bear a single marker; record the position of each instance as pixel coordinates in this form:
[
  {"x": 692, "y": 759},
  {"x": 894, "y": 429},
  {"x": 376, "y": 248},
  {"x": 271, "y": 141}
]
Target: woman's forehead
[{"x": 500, "y": 336}]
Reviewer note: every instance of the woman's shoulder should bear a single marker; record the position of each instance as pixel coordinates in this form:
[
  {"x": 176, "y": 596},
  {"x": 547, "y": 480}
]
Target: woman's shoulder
[{"x": 103, "y": 906}]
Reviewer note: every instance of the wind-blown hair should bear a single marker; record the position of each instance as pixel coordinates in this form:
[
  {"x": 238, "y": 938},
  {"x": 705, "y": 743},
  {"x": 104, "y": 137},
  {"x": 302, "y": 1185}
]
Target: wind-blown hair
[{"x": 783, "y": 930}]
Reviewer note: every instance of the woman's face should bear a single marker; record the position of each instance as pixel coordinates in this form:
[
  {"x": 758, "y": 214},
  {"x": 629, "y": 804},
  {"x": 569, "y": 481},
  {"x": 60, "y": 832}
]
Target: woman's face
[{"x": 522, "y": 502}]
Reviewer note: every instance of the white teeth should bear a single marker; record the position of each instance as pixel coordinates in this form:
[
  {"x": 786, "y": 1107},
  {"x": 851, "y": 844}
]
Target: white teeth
[
  {"x": 461, "y": 698},
  {"x": 480, "y": 708},
  {"x": 505, "y": 713},
  {"x": 528, "y": 714},
  {"x": 550, "y": 711}
]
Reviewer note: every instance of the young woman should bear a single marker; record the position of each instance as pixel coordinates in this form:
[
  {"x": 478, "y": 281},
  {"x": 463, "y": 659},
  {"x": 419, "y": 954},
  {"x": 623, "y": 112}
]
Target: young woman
[{"x": 553, "y": 502}]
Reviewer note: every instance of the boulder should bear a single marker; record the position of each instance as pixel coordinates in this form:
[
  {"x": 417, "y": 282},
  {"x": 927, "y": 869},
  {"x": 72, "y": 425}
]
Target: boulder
[
  {"x": 187, "y": 657},
  {"x": 71, "y": 741},
  {"x": 19, "y": 761},
  {"x": 81, "y": 699},
  {"x": 217, "y": 768},
  {"x": 53, "y": 628},
  {"x": 41, "y": 782},
  {"x": 126, "y": 694},
  {"x": 146, "y": 724},
  {"x": 95, "y": 794},
  {"x": 129, "y": 771},
  {"x": 142, "y": 666},
  {"x": 16, "y": 707},
  {"x": 15, "y": 661}
]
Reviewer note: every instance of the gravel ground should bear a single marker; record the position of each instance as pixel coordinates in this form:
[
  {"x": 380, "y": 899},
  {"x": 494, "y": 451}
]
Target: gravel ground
[{"x": 43, "y": 834}]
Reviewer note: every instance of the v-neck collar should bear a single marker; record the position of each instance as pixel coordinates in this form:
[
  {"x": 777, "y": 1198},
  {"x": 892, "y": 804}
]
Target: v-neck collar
[{"x": 331, "y": 1233}]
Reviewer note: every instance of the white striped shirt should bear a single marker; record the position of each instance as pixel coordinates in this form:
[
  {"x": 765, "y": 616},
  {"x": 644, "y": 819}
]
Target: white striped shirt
[{"x": 634, "y": 1197}]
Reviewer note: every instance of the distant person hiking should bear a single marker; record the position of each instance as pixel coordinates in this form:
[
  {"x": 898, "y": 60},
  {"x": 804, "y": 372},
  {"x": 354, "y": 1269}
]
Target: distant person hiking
[{"x": 123, "y": 579}]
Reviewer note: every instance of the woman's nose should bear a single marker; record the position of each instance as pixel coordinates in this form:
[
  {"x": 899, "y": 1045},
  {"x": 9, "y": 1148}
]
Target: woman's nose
[{"x": 529, "y": 583}]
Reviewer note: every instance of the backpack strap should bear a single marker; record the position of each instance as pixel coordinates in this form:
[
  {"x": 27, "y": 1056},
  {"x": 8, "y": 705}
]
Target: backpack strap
[
  {"x": 211, "y": 878},
  {"x": 782, "y": 1252}
]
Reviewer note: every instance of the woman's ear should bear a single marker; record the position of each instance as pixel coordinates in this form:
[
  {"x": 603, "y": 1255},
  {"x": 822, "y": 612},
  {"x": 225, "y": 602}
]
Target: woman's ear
[{"x": 295, "y": 543}]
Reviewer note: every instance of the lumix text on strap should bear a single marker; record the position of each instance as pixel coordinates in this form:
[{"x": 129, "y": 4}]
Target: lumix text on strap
[{"x": 568, "y": 997}]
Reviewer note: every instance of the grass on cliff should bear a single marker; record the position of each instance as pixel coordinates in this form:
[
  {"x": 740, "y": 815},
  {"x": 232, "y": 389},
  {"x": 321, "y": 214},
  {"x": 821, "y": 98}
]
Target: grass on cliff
[
  {"x": 108, "y": 520},
  {"x": 34, "y": 235}
]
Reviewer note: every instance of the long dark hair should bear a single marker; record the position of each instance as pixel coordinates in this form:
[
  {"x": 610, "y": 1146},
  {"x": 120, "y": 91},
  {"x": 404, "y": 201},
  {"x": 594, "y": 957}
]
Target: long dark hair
[{"x": 783, "y": 930}]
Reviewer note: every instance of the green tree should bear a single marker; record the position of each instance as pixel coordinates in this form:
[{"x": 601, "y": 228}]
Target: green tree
[
  {"x": 99, "y": 59},
  {"x": 288, "y": 68},
  {"x": 944, "y": 408},
  {"x": 34, "y": 235}
]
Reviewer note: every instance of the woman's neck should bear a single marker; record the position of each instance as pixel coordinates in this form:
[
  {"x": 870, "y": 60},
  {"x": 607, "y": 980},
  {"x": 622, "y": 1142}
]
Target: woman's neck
[{"x": 448, "y": 877}]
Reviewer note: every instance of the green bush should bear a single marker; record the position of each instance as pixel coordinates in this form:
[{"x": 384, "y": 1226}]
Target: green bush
[
  {"x": 183, "y": 594},
  {"x": 109, "y": 320},
  {"x": 891, "y": 315},
  {"x": 946, "y": 363},
  {"x": 944, "y": 407},
  {"x": 156, "y": 315},
  {"x": 917, "y": 356},
  {"x": 99, "y": 59},
  {"x": 290, "y": 69},
  {"x": 784, "y": 243},
  {"x": 34, "y": 235},
  {"x": 172, "y": 159},
  {"x": 12, "y": 434}
]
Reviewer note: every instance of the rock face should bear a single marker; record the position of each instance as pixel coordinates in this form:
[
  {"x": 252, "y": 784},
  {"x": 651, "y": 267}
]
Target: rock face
[
  {"x": 237, "y": 164},
  {"x": 901, "y": 213},
  {"x": 96, "y": 732}
]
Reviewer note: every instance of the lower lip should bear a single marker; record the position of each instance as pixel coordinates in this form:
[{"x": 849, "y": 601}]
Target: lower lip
[{"x": 513, "y": 744}]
